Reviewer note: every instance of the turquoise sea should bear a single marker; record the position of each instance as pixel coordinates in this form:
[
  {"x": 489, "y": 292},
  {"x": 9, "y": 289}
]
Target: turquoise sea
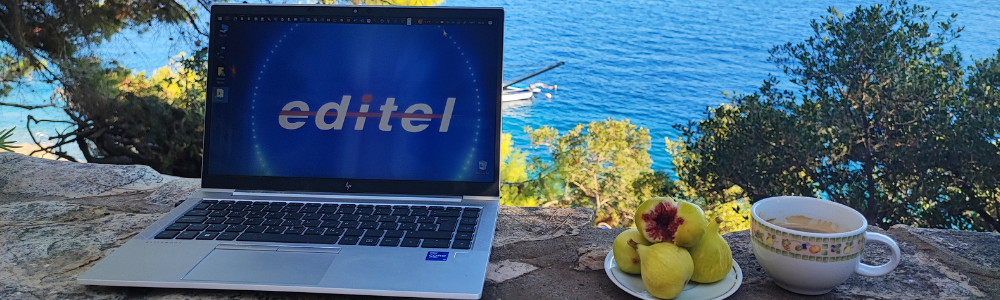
[{"x": 655, "y": 62}]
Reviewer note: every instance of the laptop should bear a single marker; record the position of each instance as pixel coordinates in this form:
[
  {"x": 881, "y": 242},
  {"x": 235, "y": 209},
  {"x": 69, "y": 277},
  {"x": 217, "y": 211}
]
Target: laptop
[{"x": 348, "y": 150}]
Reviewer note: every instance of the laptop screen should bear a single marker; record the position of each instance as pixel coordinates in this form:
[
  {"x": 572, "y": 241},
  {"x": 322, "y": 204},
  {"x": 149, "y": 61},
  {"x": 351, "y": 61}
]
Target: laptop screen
[{"x": 387, "y": 95}]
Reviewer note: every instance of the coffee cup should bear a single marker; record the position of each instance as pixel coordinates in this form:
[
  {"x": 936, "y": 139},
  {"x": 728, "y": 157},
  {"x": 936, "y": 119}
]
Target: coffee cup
[{"x": 809, "y": 246}]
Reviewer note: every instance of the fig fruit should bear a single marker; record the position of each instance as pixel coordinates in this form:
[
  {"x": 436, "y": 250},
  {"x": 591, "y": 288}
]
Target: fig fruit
[
  {"x": 666, "y": 220},
  {"x": 625, "y": 256},
  {"x": 712, "y": 257},
  {"x": 666, "y": 268}
]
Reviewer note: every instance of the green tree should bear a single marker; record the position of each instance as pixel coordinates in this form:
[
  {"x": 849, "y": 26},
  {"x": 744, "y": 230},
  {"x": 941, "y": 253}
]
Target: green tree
[
  {"x": 113, "y": 116},
  {"x": 599, "y": 165},
  {"x": 883, "y": 119},
  {"x": 514, "y": 175}
]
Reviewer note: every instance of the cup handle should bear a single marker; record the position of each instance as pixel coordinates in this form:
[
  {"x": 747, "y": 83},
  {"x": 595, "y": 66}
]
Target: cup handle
[{"x": 868, "y": 270}]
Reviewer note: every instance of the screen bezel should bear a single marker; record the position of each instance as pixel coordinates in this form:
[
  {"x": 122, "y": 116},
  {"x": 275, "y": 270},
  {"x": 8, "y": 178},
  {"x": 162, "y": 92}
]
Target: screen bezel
[{"x": 345, "y": 185}]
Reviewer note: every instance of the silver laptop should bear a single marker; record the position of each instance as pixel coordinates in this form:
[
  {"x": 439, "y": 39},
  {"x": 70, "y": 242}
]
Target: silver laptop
[{"x": 348, "y": 150}]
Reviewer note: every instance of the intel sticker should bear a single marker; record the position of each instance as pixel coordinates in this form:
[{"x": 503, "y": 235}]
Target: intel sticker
[{"x": 436, "y": 255}]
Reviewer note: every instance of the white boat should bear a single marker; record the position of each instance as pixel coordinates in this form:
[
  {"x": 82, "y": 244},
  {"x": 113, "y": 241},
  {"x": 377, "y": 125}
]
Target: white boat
[{"x": 516, "y": 94}]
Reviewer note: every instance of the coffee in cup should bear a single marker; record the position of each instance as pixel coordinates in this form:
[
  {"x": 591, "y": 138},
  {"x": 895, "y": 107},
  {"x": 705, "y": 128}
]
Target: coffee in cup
[{"x": 809, "y": 246}]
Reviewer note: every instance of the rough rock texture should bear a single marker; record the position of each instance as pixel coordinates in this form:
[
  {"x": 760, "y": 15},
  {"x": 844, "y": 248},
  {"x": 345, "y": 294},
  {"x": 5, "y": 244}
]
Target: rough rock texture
[{"x": 58, "y": 218}]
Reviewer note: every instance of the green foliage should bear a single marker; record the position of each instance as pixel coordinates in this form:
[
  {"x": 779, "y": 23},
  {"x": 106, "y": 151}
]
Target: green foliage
[
  {"x": 883, "y": 119},
  {"x": 514, "y": 175},
  {"x": 599, "y": 165},
  {"x": 6, "y": 144},
  {"x": 115, "y": 116}
]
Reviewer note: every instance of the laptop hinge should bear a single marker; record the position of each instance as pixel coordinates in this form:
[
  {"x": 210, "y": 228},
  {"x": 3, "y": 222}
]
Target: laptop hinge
[{"x": 348, "y": 196}]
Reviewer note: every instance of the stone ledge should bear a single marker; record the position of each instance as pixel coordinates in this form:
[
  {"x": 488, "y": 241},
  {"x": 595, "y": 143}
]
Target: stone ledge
[{"x": 59, "y": 218}]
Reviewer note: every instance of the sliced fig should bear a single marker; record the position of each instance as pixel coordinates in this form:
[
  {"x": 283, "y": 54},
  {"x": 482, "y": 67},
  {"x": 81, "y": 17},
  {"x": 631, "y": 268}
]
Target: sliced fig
[{"x": 674, "y": 221}]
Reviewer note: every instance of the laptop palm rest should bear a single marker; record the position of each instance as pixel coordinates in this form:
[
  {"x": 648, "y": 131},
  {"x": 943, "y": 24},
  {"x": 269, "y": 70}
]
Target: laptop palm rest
[{"x": 253, "y": 266}]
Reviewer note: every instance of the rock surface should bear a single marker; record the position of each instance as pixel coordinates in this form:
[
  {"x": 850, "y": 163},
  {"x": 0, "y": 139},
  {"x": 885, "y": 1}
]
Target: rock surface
[{"x": 59, "y": 218}]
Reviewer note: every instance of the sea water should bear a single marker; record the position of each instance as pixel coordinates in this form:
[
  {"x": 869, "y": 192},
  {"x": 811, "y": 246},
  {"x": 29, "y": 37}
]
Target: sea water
[{"x": 655, "y": 62}]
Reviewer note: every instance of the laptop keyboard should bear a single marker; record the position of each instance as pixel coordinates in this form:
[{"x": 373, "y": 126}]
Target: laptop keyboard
[{"x": 328, "y": 223}]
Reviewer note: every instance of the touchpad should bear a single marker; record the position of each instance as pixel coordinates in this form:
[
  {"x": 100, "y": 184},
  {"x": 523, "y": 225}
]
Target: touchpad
[{"x": 299, "y": 268}]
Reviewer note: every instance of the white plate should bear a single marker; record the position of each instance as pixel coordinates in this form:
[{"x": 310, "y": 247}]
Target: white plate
[{"x": 692, "y": 291}]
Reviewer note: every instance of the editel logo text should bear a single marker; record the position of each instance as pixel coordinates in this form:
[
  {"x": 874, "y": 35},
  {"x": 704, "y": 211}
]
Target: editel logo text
[{"x": 333, "y": 115}]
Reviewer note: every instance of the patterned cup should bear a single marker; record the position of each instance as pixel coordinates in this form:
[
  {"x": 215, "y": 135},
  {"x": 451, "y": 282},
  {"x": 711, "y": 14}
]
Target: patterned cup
[{"x": 813, "y": 263}]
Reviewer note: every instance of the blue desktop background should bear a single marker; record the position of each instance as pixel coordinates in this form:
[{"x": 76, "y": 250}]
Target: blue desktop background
[{"x": 270, "y": 64}]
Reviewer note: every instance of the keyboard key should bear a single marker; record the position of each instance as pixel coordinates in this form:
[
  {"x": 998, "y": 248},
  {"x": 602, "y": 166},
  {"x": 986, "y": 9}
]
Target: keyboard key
[
  {"x": 255, "y": 208},
  {"x": 191, "y": 219},
  {"x": 238, "y": 207},
  {"x": 425, "y": 220},
  {"x": 278, "y": 203},
  {"x": 387, "y": 226},
  {"x": 374, "y": 233},
  {"x": 382, "y": 211},
  {"x": 312, "y": 204},
  {"x": 237, "y": 214},
  {"x": 202, "y": 205},
  {"x": 187, "y": 235},
  {"x": 218, "y": 213},
  {"x": 215, "y": 220},
  {"x": 207, "y": 235},
  {"x": 410, "y": 219},
  {"x": 291, "y": 223},
  {"x": 427, "y": 227},
  {"x": 435, "y": 244},
  {"x": 328, "y": 210},
  {"x": 256, "y": 214},
  {"x": 345, "y": 210},
  {"x": 394, "y": 233},
  {"x": 349, "y": 240},
  {"x": 400, "y": 207},
  {"x": 471, "y": 209},
  {"x": 314, "y": 231},
  {"x": 383, "y": 206},
  {"x": 463, "y": 236},
  {"x": 349, "y": 224},
  {"x": 256, "y": 229},
  {"x": 455, "y": 208},
  {"x": 461, "y": 244},
  {"x": 467, "y": 228},
  {"x": 218, "y": 206},
  {"x": 293, "y": 216},
  {"x": 350, "y": 217},
  {"x": 368, "y": 218},
  {"x": 312, "y": 216},
  {"x": 330, "y": 217},
  {"x": 274, "y": 215},
  {"x": 272, "y": 222},
  {"x": 387, "y": 219},
  {"x": 408, "y": 226},
  {"x": 366, "y": 206},
  {"x": 197, "y": 227},
  {"x": 216, "y": 227},
  {"x": 234, "y": 221},
  {"x": 227, "y": 236},
  {"x": 410, "y": 243},
  {"x": 467, "y": 221},
  {"x": 309, "y": 209},
  {"x": 290, "y": 209},
  {"x": 275, "y": 229},
  {"x": 295, "y": 230},
  {"x": 236, "y": 228},
  {"x": 470, "y": 214},
  {"x": 328, "y": 224},
  {"x": 368, "y": 225},
  {"x": 177, "y": 227},
  {"x": 197, "y": 213},
  {"x": 446, "y": 220},
  {"x": 428, "y": 235},
  {"x": 445, "y": 213},
  {"x": 400, "y": 212},
  {"x": 368, "y": 241},
  {"x": 166, "y": 235},
  {"x": 227, "y": 201},
  {"x": 419, "y": 212},
  {"x": 447, "y": 226},
  {"x": 364, "y": 211},
  {"x": 209, "y": 201},
  {"x": 354, "y": 232},
  {"x": 254, "y": 221},
  {"x": 273, "y": 208},
  {"x": 389, "y": 242},
  {"x": 436, "y": 208},
  {"x": 285, "y": 238},
  {"x": 334, "y": 231},
  {"x": 418, "y": 207},
  {"x": 312, "y": 223}
]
